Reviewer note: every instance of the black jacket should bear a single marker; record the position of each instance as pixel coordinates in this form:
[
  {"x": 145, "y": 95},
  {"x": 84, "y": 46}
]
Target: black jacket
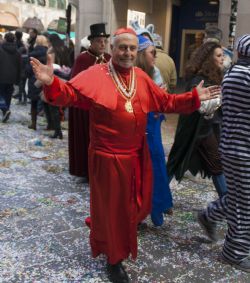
[
  {"x": 40, "y": 53},
  {"x": 10, "y": 63}
]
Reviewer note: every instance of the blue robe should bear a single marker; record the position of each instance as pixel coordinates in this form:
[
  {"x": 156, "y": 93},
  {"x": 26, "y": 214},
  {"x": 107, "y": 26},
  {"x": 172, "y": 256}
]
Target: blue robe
[{"x": 162, "y": 197}]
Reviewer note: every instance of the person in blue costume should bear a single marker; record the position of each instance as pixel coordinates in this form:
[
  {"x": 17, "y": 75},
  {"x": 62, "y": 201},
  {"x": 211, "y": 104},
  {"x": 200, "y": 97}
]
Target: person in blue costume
[{"x": 162, "y": 197}]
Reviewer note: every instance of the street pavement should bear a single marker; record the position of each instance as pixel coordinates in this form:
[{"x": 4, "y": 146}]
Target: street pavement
[{"x": 43, "y": 237}]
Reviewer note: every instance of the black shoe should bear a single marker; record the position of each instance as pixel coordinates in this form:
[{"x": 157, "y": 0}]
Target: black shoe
[
  {"x": 117, "y": 273},
  {"x": 6, "y": 116},
  {"x": 208, "y": 227},
  {"x": 57, "y": 135}
]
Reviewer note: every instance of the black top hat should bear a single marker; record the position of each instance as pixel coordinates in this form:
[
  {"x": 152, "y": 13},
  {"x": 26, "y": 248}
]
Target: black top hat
[{"x": 97, "y": 30}]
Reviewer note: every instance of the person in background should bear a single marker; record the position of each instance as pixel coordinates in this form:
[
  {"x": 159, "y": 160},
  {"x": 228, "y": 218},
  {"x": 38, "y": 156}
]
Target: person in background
[
  {"x": 162, "y": 197},
  {"x": 21, "y": 95},
  {"x": 96, "y": 44},
  {"x": 60, "y": 56},
  {"x": 10, "y": 66},
  {"x": 195, "y": 147},
  {"x": 19, "y": 41},
  {"x": 163, "y": 61},
  {"x": 34, "y": 91},
  {"x": 198, "y": 37},
  {"x": 214, "y": 34},
  {"x": 32, "y": 39},
  {"x": 119, "y": 96},
  {"x": 165, "y": 64},
  {"x": 71, "y": 53},
  {"x": 234, "y": 207}
]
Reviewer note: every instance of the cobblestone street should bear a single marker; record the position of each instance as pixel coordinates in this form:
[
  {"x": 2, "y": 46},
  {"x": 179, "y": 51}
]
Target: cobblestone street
[{"x": 43, "y": 237}]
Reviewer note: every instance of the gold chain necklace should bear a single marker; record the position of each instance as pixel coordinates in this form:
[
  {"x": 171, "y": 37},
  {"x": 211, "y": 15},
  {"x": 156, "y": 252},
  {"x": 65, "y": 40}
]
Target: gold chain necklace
[{"x": 127, "y": 92}]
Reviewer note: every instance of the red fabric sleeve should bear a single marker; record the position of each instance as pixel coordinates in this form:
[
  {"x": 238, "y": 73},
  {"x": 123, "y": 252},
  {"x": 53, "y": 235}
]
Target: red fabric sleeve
[
  {"x": 183, "y": 103},
  {"x": 60, "y": 93}
]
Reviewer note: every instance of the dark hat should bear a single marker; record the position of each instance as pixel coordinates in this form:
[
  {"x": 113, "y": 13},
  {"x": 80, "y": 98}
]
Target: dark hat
[
  {"x": 97, "y": 30},
  {"x": 243, "y": 45}
]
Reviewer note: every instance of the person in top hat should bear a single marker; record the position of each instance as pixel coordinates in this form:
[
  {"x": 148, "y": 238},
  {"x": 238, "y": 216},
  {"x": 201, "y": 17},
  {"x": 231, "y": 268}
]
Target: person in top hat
[
  {"x": 97, "y": 30},
  {"x": 118, "y": 96},
  {"x": 79, "y": 118},
  {"x": 235, "y": 155}
]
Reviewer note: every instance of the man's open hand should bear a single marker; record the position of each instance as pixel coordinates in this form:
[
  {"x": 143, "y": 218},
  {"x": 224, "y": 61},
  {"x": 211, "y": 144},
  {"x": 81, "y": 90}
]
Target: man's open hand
[{"x": 43, "y": 73}]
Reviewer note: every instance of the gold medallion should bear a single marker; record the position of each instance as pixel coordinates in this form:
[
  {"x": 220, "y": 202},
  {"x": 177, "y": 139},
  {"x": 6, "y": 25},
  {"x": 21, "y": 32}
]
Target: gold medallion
[{"x": 128, "y": 106}]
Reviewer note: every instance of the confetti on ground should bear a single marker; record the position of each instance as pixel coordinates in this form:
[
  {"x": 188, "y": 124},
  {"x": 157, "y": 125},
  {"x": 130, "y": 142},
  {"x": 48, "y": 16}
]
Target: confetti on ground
[{"x": 42, "y": 210}]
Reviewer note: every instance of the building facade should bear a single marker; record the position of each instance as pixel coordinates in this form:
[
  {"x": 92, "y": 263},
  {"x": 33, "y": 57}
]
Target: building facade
[
  {"x": 15, "y": 12},
  {"x": 176, "y": 21}
]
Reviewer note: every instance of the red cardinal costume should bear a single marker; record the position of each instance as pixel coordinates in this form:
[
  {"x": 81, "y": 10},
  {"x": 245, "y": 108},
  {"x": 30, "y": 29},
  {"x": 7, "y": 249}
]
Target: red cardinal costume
[
  {"x": 79, "y": 119},
  {"x": 120, "y": 172}
]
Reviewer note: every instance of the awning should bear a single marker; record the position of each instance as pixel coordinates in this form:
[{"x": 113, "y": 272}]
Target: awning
[{"x": 8, "y": 19}]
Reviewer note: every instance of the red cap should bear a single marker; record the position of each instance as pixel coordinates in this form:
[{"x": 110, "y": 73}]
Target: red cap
[{"x": 125, "y": 30}]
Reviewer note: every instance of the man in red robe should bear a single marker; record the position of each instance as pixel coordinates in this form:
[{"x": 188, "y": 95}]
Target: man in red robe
[
  {"x": 118, "y": 97},
  {"x": 79, "y": 118}
]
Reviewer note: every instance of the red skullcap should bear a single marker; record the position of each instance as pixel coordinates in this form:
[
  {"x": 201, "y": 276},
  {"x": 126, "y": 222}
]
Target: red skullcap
[{"x": 124, "y": 30}]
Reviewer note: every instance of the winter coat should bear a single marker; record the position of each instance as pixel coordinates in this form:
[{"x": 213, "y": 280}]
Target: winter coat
[
  {"x": 23, "y": 52},
  {"x": 40, "y": 53},
  {"x": 10, "y": 63}
]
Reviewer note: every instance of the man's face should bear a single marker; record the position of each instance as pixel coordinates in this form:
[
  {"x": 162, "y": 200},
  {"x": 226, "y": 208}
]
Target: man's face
[
  {"x": 124, "y": 50},
  {"x": 98, "y": 45}
]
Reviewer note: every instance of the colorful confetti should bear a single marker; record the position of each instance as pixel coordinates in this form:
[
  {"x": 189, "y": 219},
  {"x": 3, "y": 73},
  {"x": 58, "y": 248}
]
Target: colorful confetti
[{"x": 42, "y": 210}]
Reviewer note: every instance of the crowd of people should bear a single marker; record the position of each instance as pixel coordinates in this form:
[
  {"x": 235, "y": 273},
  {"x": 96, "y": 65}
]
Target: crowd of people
[
  {"x": 16, "y": 71},
  {"x": 116, "y": 103}
]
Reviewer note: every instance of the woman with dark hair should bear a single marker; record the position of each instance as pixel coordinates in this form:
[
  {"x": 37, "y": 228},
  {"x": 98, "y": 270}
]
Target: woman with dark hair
[
  {"x": 60, "y": 57},
  {"x": 162, "y": 198},
  {"x": 58, "y": 51},
  {"x": 34, "y": 91},
  {"x": 197, "y": 135}
]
